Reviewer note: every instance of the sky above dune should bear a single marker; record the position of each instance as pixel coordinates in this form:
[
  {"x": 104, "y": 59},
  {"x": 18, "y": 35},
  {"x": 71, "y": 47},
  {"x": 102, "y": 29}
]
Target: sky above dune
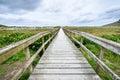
[{"x": 59, "y": 12}]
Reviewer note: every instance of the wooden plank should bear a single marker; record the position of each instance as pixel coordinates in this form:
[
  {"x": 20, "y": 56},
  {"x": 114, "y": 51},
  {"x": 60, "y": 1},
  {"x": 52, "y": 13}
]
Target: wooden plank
[
  {"x": 63, "y": 58},
  {"x": 61, "y": 52},
  {"x": 29, "y": 62},
  {"x": 64, "y": 77},
  {"x": 63, "y": 61},
  {"x": 63, "y": 65},
  {"x": 101, "y": 64},
  {"x": 64, "y": 71}
]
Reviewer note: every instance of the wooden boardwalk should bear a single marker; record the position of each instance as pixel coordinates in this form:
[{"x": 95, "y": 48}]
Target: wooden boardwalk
[{"x": 63, "y": 61}]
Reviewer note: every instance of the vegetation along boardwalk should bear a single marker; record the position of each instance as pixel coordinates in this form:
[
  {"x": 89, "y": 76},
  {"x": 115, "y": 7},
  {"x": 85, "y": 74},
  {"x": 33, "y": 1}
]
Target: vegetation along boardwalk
[{"x": 63, "y": 61}]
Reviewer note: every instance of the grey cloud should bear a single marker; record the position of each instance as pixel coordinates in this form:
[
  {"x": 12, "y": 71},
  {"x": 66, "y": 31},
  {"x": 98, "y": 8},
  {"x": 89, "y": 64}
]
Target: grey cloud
[
  {"x": 51, "y": 12},
  {"x": 14, "y": 5},
  {"x": 80, "y": 22},
  {"x": 9, "y": 21},
  {"x": 86, "y": 21},
  {"x": 112, "y": 13}
]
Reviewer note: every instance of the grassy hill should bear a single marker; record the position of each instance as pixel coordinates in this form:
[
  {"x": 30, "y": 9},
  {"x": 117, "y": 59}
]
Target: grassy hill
[
  {"x": 117, "y": 23},
  {"x": 3, "y": 26}
]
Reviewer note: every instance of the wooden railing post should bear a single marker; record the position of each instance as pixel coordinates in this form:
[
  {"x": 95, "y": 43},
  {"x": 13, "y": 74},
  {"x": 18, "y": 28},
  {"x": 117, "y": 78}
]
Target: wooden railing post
[
  {"x": 101, "y": 55},
  {"x": 104, "y": 44},
  {"x": 28, "y": 57},
  {"x": 69, "y": 34},
  {"x": 49, "y": 37},
  {"x": 43, "y": 44},
  {"x": 73, "y": 34},
  {"x": 81, "y": 41}
]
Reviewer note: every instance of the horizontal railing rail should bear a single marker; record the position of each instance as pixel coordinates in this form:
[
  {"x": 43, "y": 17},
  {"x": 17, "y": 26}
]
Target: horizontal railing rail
[
  {"x": 12, "y": 49},
  {"x": 104, "y": 43},
  {"x": 113, "y": 46}
]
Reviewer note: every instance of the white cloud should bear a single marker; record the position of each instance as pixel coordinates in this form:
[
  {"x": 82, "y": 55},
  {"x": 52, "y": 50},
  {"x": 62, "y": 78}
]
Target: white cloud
[{"x": 67, "y": 12}]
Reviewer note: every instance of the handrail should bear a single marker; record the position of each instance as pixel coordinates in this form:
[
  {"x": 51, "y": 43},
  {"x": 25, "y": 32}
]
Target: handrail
[
  {"x": 29, "y": 62},
  {"x": 113, "y": 46},
  {"x": 97, "y": 40},
  {"x": 12, "y": 49}
]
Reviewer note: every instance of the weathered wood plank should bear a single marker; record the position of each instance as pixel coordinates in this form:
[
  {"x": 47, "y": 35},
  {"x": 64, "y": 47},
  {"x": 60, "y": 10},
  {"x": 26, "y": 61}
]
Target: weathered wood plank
[
  {"x": 29, "y": 62},
  {"x": 101, "y": 64},
  {"x": 108, "y": 44},
  {"x": 63, "y": 61},
  {"x": 68, "y": 71},
  {"x": 63, "y": 65},
  {"x": 63, "y": 58},
  {"x": 64, "y": 77},
  {"x": 12, "y": 49}
]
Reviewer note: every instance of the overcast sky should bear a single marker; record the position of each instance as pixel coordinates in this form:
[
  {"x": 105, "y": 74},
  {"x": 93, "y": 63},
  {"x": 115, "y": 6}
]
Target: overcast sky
[{"x": 59, "y": 12}]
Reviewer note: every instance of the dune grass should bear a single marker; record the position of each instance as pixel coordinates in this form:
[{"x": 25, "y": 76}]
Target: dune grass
[
  {"x": 11, "y": 36},
  {"x": 111, "y": 59}
]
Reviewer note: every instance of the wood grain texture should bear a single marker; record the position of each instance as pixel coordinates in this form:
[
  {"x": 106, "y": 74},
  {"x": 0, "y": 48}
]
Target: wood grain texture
[
  {"x": 13, "y": 49},
  {"x": 107, "y": 43},
  {"x": 63, "y": 61},
  {"x": 29, "y": 62}
]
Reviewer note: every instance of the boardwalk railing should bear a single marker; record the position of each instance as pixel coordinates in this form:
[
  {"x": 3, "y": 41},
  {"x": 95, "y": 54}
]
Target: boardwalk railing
[
  {"x": 11, "y": 50},
  {"x": 104, "y": 43}
]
